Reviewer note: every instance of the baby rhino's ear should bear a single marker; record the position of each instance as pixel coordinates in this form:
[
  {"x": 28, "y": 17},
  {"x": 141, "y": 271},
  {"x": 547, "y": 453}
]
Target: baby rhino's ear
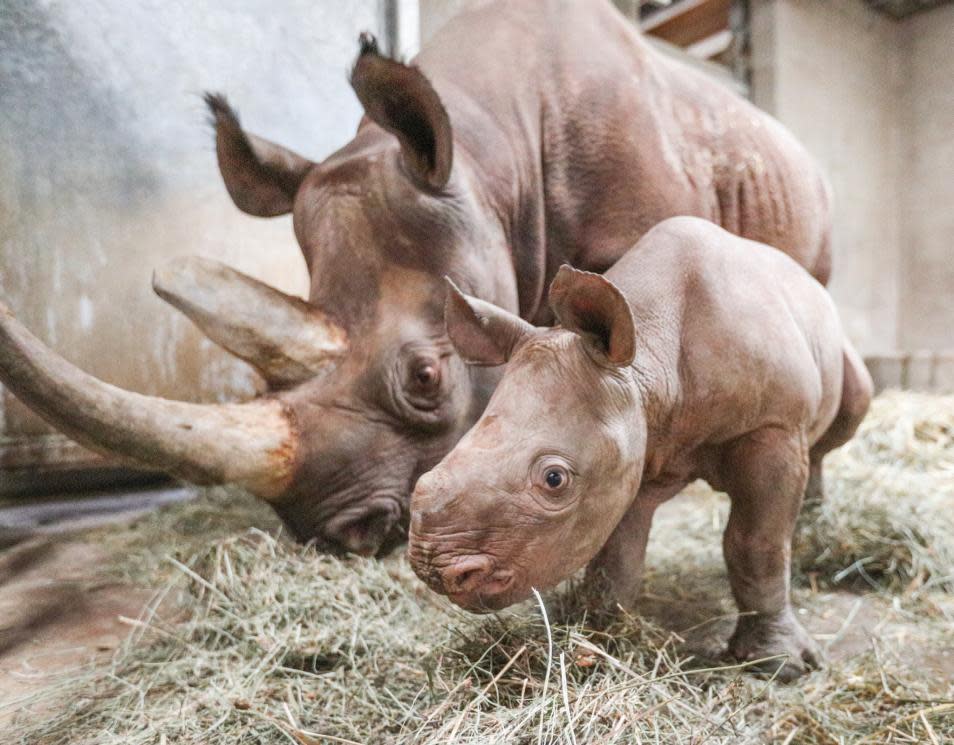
[
  {"x": 592, "y": 306},
  {"x": 482, "y": 333}
]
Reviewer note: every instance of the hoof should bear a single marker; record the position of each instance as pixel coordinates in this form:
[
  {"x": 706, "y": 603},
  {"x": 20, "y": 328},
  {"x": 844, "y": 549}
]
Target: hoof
[{"x": 783, "y": 648}]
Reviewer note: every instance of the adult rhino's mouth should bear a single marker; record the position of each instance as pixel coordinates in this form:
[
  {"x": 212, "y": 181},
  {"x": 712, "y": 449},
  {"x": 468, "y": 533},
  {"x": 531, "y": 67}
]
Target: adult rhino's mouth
[
  {"x": 371, "y": 526},
  {"x": 364, "y": 529}
]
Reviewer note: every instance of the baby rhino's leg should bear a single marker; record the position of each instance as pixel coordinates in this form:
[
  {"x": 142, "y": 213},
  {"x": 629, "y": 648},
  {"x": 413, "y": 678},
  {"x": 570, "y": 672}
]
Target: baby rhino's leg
[
  {"x": 614, "y": 576},
  {"x": 765, "y": 475}
]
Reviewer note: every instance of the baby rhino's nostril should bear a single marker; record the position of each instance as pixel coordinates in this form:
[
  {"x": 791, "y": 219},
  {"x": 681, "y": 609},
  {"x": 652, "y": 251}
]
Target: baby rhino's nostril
[{"x": 466, "y": 574}]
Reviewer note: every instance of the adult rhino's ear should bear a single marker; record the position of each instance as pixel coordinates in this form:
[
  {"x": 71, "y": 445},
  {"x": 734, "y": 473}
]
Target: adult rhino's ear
[
  {"x": 400, "y": 99},
  {"x": 592, "y": 306},
  {"x": 482, "y": 333},
  {"x": 262, "y": 178}
]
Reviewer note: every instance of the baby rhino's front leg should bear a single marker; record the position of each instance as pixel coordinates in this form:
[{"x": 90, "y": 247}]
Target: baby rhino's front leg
[
  {"x": 765, "y": 475},
  {"x": 614, "y": 577}
]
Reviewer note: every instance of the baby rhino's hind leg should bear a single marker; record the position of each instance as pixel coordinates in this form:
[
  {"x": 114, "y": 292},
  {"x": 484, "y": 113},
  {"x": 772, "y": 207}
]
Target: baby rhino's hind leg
[
  {"x": 765, "y": 474},
  {"x": 856, "y": 392}
]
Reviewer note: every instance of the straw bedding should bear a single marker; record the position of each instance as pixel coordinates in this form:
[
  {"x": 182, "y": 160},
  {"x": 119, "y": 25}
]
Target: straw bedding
[{"x": 281, "y": 645}]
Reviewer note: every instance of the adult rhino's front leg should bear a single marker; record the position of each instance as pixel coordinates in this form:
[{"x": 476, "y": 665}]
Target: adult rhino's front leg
[{"x": 765, "y": 475}]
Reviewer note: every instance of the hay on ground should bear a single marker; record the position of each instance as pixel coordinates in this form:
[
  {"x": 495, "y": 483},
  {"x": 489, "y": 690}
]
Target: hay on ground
[
  {"x": 285, "y": 646},
  {"x": 888, "y": 514}
]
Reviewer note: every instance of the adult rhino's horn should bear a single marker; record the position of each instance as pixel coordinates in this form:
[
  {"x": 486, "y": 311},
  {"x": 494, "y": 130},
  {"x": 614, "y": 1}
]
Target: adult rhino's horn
[
  {"x": 287, "y": 340},
  {"x": 252, "y": 444}
]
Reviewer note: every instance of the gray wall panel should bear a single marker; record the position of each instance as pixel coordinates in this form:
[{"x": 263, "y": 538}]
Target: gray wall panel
[{"x": 107, "y": 168}]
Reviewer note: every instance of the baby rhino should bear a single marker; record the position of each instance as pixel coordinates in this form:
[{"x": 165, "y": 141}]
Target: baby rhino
[{"x": 698, "y": 355}]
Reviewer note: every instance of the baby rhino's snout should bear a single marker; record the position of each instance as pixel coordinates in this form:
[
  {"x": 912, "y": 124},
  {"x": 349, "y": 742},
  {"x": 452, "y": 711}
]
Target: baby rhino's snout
[
  {"x": 432, "y": 506},
  {"x": 466, "y": 575},
  {"x": 425, "y": 500},
  {"x": 423, "y": 544},
  {"x": 447, "y": 556}
]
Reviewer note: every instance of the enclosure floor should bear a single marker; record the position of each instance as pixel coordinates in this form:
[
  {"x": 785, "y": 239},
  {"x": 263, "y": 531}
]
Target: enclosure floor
[
  {"x": 60, "y": 609},
  {"x": 843, "y": 622}
]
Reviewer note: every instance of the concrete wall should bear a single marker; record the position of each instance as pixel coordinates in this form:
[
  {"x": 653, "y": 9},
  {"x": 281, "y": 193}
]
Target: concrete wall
[
  {"x": 872, "y": 98},
  {"x": 831, "y": 73},
  {"x": 107, "y": 168},
  {"x": 927, "y": 193}
]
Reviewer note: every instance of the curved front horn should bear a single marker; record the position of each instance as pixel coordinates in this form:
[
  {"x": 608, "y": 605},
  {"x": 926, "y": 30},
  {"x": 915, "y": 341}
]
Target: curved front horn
[
  {"x": 287, "y": 340},
  {"x": 252, "y": 444}
]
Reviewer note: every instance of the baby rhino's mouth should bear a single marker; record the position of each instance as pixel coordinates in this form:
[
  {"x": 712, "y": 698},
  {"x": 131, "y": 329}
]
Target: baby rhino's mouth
[
  {"x": 490, "y": 595},
  {"x": 472, "y": 581}
]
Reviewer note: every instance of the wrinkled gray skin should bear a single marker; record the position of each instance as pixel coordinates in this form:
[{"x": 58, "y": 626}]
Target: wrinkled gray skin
[
  {"x": 698, "y": 355},
  {"x": 524, "y": 136}
]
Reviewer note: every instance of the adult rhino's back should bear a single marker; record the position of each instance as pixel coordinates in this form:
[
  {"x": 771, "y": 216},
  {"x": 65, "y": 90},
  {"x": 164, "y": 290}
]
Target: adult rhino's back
[
  {"x": 765, "y": 186},
  {"x": 613, "y": 136}
]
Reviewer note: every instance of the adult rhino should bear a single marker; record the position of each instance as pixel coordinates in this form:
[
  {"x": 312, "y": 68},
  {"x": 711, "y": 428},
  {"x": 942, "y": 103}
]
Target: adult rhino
[{"x": 525, "y": 136}]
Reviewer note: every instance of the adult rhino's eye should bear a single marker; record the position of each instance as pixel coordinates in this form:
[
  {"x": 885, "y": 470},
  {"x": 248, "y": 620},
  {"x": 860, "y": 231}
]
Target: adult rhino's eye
[{"x": 425, "y": 377}]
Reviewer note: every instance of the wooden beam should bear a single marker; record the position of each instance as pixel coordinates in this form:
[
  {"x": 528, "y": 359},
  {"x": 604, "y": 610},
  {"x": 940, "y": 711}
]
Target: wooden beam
[
  {"x": 689, "y": 21},
  {"x": 711, "y": 46}
]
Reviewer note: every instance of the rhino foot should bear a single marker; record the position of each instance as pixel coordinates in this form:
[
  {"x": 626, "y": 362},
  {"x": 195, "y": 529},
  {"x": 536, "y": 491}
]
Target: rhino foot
[{"x": 779, "y": 641}]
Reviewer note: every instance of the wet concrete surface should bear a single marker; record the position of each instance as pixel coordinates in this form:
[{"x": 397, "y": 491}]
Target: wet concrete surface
[
  {"x": 23, "y": 519},
  {"x": 59, "y": 609}
]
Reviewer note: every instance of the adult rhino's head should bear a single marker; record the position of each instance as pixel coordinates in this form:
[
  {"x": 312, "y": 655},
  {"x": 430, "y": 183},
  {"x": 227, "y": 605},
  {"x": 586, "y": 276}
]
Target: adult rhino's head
[{"x": 365, "y": 391}]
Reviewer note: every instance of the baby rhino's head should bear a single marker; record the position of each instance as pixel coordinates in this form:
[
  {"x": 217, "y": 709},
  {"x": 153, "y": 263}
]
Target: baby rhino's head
[{"x": 533, "y": 491}]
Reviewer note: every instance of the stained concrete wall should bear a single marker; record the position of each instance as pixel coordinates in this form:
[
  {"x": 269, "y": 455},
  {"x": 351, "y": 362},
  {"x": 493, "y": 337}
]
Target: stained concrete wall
[
  {"x": 831, "y": 73},
  {"x": 872, "y": 98},
  {"x": 927, "y": 194},
  {"x": 107, "y": 168}
]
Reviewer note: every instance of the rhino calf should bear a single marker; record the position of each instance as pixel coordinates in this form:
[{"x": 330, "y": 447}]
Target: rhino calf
[{"x": 698, "y": 355}]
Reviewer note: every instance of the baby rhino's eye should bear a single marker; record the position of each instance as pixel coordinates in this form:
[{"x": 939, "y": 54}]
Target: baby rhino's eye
[
  {"x": 555, "y": 478},
  {"x": 550, "y": 474}
]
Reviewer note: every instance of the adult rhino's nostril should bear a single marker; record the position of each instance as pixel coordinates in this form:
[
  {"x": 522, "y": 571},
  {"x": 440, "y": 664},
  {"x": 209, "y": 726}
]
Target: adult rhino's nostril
[{"x": 466, "y": 574}]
